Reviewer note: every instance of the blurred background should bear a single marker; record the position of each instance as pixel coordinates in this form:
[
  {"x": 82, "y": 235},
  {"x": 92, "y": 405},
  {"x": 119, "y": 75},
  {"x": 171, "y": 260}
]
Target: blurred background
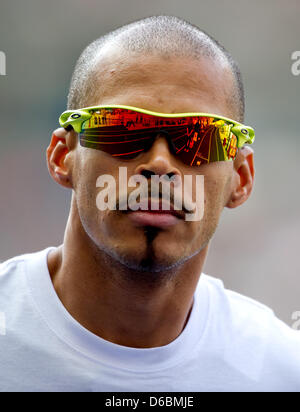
[{"x": 256, "y": 248}]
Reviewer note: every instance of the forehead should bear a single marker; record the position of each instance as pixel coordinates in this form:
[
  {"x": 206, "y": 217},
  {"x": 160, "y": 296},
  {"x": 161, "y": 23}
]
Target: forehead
[{"x": 165, "y": 84}]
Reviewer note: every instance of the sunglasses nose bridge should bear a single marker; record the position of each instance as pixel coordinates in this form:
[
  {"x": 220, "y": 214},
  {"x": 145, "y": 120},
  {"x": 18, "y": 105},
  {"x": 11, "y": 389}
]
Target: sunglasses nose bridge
[
  {"x": 163, "y": 134},
  {"x": 158, "y": 157}
]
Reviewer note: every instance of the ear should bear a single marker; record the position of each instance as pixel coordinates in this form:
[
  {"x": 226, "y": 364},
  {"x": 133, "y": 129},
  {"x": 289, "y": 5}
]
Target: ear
[
  {"x": 58, "y": 153},
  {"x": 243, "y": 177}
]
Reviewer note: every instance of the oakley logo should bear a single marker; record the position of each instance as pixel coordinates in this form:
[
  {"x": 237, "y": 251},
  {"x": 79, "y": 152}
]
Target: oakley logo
[
  {"x": 296, "y": 318},
  {"x": 2, "y": 324},
  {"x": 296, "y": 65},
  {"x": 164, "y": 193},
  {"x": 2, "y": 64}
]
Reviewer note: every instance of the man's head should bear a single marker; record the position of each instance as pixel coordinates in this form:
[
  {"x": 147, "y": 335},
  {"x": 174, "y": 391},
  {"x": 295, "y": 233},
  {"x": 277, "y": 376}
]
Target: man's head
[
  {"x": 164, "y": 36},
  {"x": 166, "y": 65}
]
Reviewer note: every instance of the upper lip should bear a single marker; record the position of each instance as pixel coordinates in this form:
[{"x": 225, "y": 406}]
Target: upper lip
[{"x": 170, "y": 208}]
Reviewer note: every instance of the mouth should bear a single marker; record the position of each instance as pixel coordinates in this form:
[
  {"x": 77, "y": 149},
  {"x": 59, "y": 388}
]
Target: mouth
[{"x": 157, "y": 213}]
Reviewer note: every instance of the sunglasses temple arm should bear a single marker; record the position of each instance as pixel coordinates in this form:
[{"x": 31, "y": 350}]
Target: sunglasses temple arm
[
  {"x": 74, "y": 119},
  {"x": 244, "y": 134}
]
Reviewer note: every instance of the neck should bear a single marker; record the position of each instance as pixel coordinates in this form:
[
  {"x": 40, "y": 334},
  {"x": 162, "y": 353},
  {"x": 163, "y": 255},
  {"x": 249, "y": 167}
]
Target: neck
[{"x": 104, "y": 296}]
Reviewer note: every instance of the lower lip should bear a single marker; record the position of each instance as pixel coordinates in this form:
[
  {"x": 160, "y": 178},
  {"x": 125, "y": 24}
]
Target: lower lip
[{"x": 153, "y": 219}]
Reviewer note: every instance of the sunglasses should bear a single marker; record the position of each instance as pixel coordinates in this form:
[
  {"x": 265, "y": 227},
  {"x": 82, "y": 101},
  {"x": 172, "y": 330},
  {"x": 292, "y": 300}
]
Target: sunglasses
[{"x": 125, "y": 132}]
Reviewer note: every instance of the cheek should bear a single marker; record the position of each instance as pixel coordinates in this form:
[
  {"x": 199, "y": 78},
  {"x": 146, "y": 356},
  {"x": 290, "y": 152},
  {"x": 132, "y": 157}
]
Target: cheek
[
  {"x": 217, "y": 177},
  {"x": 86, "y": 193},
  {"x": 99, "y": 224},
  {"x": 86, "y": 174},
  {"x": 90, "y": 164},
  {"x": 216, "y": 189}
]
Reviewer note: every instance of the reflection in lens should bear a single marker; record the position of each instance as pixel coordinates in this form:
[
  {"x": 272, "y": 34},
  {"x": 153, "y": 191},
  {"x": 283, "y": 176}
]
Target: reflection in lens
[{"x": 126, "y": 133}]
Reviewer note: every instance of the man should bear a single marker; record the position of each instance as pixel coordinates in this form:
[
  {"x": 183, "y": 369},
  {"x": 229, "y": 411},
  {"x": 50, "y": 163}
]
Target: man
[{"x": 123, "y": 304}]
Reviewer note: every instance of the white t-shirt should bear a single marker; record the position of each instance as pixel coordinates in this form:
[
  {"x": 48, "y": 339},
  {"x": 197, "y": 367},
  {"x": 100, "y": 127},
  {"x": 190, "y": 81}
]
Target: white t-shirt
[{"x": 230, "y": 343}]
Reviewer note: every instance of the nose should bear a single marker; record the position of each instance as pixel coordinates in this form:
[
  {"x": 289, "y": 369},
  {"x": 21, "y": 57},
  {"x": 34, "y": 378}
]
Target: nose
[{"x": 158, "y": 160}]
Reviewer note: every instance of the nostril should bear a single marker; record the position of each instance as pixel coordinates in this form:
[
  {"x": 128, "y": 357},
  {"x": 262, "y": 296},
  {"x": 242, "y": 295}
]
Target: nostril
[
  {"x": 147, "y": 173},
  {"x": 170, "y": 175}
]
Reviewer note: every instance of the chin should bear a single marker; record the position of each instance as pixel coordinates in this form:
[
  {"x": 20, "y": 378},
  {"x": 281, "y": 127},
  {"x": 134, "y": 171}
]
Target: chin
[
  {"x": 150, "y": 264},
  {"x": 161, "y": 265}
]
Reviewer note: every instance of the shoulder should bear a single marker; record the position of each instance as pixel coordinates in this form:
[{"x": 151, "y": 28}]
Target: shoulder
[
  {"x": 240, "y": 307},
  {"x": 244, "y": 312},
  {"x": 254, "y": 332},
  {"x": 14, "y": 267},
  {"x": 10, "y": 265},
  {"x": 243, "y": 321}
]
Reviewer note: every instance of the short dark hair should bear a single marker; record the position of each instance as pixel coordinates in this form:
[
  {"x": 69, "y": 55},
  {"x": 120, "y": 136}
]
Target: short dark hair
[{"x": 167, "y": 35}]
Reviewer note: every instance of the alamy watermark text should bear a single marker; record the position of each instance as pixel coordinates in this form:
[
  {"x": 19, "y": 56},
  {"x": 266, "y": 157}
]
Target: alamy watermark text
[{"x": 2, "y": 64}]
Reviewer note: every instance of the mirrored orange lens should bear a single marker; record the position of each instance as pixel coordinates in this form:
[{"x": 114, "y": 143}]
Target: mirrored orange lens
[{"x": 125, "y": 134}]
